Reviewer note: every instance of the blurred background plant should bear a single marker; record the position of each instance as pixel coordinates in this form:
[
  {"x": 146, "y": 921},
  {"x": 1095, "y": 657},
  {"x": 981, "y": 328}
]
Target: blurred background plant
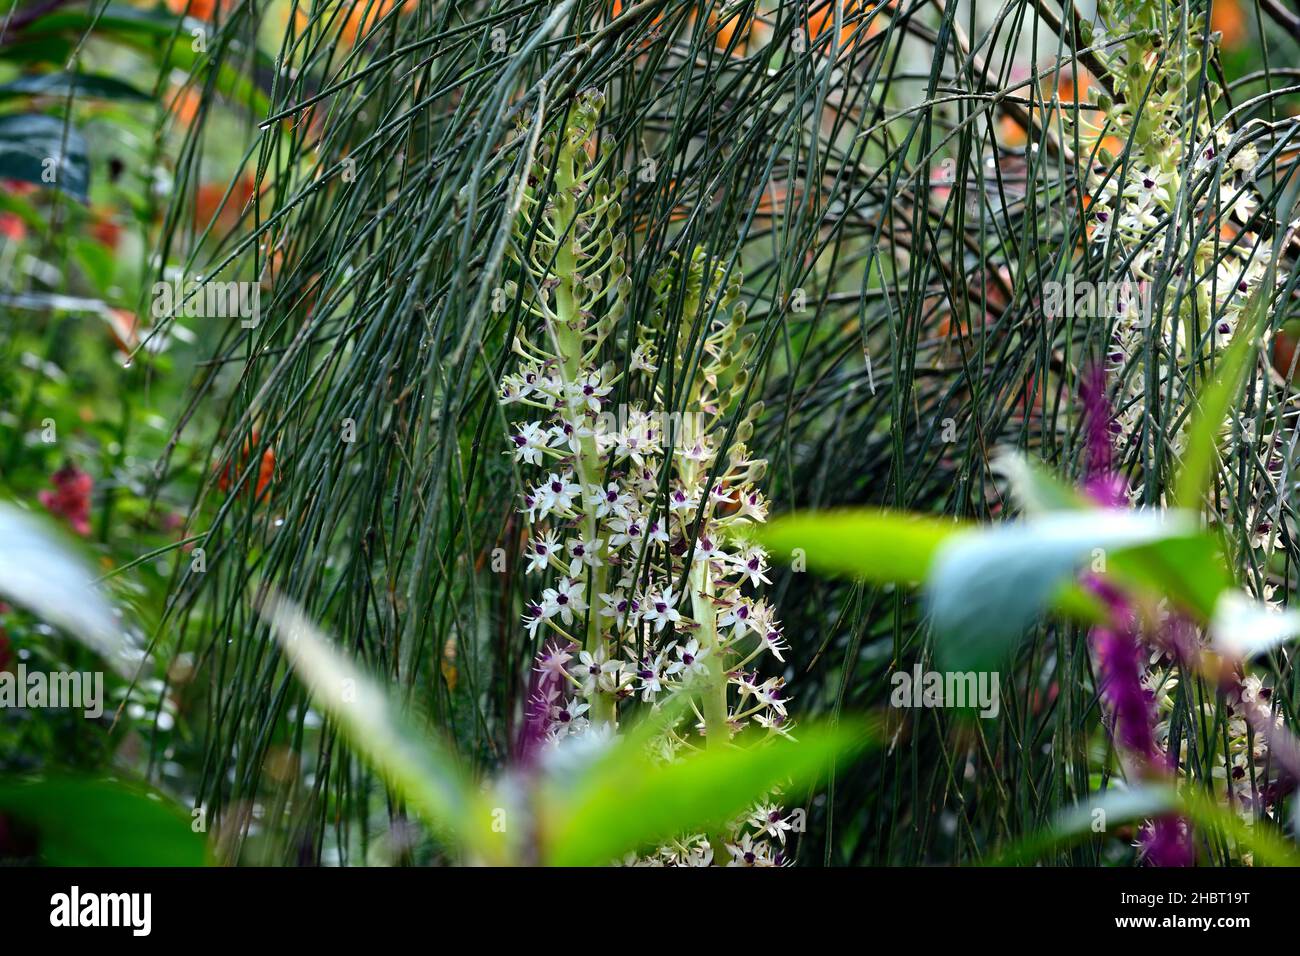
[{"x": 896, "y": 181}]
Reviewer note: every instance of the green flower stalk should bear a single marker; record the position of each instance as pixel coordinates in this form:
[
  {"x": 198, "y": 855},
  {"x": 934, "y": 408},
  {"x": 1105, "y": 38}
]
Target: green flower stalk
[
  {"x": 1177, "y": 212},
  {"x": 637, "y": 517}
]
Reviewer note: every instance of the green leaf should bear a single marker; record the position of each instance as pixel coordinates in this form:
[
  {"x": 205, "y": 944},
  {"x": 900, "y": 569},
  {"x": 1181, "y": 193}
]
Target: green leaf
[
  {"x": 880, "y": 546},
  {"x": 97, "y": 261},
  {"x": 1202, "y": 448},
  {"x": 66, "y": 83},
  {"x": 1189, "y": 569},
  {"x": 627, "y": 801},
  {"x": 44, "y": 575},
  {"x": 987, "y": 587},
  {"x": 92, "y": 822},
  {"x": 28, "y": 140},
  {"x": 417, "y": 766},
  {"x": 1262, "y": 839},
  {"x": 1077, "y": 823},
  {"x": 110, "y": 19}
]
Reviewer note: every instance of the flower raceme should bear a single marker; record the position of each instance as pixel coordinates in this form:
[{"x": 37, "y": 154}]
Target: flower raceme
[
  {"x": 1177, "y": 211},
  {"x": 638, "y": 513}
]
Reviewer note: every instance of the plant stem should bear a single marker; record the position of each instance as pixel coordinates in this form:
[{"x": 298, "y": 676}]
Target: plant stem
[{"x": 567, "y": 333}]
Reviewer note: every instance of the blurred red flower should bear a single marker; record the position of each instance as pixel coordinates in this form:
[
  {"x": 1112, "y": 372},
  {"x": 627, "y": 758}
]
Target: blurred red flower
[
  {"x": 12, "y": 227},
  {"x": 70, "y": 498}
]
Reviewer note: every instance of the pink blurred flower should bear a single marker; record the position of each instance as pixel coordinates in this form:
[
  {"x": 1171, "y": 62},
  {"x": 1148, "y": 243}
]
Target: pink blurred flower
[{"x": 70, "y": 499}]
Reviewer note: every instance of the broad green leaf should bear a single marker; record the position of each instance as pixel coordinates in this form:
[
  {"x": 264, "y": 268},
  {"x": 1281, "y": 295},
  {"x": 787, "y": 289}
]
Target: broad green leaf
[
  {"x": 47, "y": 48},
  {"x": 44, "y": 575},
  {"x": 28, "y": 140},
  {"x": 150, "y": 32},
  {"x": 1144, "y": 802},
  {"x": 987, "y": 587},
  {"x": 1190, "y": 570},
  {"x": 100, "y": 822},
  {"x": 77, "y": 84},
  {"x": 1075, "y": 824},
  {"x": 880, "y": 546},
  {"x": 627, "y": 801},
  {"x": 110, "y": 19},
  {"x": 417, "y": 766}
]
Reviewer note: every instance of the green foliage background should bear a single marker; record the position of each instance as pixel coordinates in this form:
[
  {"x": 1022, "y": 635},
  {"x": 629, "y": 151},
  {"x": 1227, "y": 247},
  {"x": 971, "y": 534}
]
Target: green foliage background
[{"x": 898, "y": 343}]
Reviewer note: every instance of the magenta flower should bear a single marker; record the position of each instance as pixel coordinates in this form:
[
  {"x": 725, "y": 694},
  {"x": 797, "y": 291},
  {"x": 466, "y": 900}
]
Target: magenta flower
[
  {"x": 1101, "y": 483},
  {"x": 1119, "y": 667}
]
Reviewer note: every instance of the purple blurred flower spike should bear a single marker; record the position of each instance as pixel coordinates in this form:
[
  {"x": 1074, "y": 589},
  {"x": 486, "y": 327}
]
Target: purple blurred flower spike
[
  {"x": 1167, "y": 841},
  {"x": 545, "y": 686},
  {"x": 1119, "y": 666},
  {"x": 1101, "y": 483}
]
